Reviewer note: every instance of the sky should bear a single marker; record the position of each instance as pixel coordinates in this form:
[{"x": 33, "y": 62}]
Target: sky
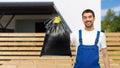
[{"x": 112, "y": 4}]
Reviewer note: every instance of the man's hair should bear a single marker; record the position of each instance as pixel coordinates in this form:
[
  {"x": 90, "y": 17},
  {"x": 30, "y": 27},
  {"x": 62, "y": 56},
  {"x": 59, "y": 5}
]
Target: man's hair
[{"x": 88, "y": 11}]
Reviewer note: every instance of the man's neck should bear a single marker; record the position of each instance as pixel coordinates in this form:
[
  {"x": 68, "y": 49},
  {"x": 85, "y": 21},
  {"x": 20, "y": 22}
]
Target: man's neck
[{"x": 89, "y": 29}]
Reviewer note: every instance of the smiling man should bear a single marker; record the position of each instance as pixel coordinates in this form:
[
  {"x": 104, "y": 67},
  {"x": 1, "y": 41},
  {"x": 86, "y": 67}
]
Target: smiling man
[{"x": 88, "y": 43}]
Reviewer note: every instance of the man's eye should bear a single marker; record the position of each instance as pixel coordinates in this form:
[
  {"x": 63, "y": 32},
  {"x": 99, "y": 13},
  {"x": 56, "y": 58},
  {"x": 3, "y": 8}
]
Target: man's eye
[
  {"x": 90, "y": 16},
  {"x": 84, "y": 17}
]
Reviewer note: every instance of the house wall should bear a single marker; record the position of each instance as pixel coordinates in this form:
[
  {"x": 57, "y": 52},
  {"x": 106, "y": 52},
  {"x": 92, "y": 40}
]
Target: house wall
[
  {"x": 23, "y": 21},
  {"x": 25, "y": 26}
]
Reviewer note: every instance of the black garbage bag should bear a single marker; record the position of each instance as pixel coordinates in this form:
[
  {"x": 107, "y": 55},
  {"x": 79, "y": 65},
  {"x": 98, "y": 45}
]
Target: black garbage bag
[{"x": 57, "y": 39}]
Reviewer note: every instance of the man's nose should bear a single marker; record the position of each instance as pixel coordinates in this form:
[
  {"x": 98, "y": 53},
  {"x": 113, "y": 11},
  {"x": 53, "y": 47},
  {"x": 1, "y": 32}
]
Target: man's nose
[{"x": 87, "y": 18}]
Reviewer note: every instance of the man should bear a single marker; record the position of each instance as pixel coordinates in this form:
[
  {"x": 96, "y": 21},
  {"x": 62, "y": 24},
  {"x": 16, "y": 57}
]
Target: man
[{"x": 88, "y": 44}]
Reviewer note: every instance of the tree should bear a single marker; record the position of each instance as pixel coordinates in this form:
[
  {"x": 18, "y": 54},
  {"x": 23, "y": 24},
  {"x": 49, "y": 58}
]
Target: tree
[
  {"x": 107, "y": 20},
  {"x": 115, "y": 24}
]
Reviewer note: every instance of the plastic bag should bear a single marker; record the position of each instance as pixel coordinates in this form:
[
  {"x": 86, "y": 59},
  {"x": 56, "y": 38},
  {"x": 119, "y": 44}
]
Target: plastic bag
[{"x": 57, "y": 38}]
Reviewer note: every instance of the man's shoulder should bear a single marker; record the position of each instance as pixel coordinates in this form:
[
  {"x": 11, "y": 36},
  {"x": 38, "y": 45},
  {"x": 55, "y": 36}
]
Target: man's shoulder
[
  {"x": 75, "y": 33},
  {"x": 102, "y": 34}
]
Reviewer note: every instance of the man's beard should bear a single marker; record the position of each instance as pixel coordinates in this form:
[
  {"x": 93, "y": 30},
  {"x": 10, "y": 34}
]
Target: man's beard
[{"x": 91, "y": 24}]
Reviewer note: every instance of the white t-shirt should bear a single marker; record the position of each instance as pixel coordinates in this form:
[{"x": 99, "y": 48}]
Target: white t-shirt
[{"x": 88, "y": 38}]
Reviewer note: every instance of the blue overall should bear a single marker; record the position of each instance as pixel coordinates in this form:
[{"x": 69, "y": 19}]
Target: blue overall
[{"x": 87, "y": 55}]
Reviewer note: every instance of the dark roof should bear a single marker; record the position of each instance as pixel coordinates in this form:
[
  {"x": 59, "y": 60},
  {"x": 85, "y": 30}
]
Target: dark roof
[
  {"x": 11, "y": 8},
  {"x": 26, "y": 4}
]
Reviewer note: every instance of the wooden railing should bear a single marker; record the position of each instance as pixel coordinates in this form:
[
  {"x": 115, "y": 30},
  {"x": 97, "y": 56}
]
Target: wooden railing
[
  {"x": 113, "y": 44},
  {"x": 22, "y": 50}
]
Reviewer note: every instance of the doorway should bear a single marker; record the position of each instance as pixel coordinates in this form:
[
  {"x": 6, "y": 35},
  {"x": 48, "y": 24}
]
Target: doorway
[{"x": 40, "y": 27}]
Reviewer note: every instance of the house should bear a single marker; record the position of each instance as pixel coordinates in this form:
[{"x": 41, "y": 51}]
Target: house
[{"x": 30, "y": 15}]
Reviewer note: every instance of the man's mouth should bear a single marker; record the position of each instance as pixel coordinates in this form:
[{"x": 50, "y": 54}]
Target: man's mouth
[{"x": 87, "y": 21}]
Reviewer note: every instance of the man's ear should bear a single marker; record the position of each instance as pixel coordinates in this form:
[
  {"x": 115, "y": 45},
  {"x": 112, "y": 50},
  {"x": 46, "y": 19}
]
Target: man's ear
[{"x": 94, "y": 18}]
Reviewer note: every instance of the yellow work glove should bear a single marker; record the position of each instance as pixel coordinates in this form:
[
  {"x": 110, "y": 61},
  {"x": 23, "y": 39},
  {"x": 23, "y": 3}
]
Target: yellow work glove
[{"x": 57, "y": 20}]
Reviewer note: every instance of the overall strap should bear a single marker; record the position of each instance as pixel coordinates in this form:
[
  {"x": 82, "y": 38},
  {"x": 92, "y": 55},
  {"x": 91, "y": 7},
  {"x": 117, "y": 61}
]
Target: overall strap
[
  {"x": 80, "y": 36},
  {"x": 97, "y": 37}
]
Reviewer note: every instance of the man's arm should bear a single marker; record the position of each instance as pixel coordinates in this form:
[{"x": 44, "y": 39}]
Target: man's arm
[{"x": 105, "y": 58}]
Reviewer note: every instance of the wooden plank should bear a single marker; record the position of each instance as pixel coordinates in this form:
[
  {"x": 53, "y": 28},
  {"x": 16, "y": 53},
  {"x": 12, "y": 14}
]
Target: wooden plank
[
  {"x": 36, "y": 57},
  {"x": 52, "y": 61},
  {"x": 113, "y": 57},
  {"x": 112, "y": 34},
  {"x": 21, "y": 39},
  {"x": 37, "y": 62},
  {"x": 20, "y": 48},
  {"x": 113, "y": 48},
  {"x": 112, "y": 66},
  {"x": 34, "y": 66},
  {"x": 23, "y": 66},
  {"x": 114, "y": 52},
  {"x": 19, "y": 53},
  {"x": 21, "y": 43},
  {"x": 8, "y": 66},
  {"x": 26, "y": 48},
  {"x": 114, "y": 39},
  {"x": 22, "y": 34},
  {"x": 113, "y": 43},
  {"x": 45, "y": 66},
  {"x": 112, "y": 62}
]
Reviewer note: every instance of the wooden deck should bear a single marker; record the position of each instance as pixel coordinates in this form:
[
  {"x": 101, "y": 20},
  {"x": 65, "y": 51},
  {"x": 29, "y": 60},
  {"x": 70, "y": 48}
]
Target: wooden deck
[{"x": 22, "y": 50}]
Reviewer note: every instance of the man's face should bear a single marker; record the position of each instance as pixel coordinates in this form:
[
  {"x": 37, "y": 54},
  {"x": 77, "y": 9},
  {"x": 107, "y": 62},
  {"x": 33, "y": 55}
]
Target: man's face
[{"x": 88, "y": 19}]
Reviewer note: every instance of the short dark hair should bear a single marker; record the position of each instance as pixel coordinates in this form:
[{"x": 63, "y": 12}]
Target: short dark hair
[{"x": 88, "y": 11}]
